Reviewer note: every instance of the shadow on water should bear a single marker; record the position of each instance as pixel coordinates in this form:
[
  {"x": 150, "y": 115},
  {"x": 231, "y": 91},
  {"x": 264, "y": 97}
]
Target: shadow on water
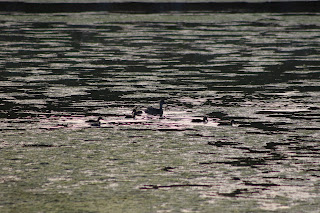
[{"x": 259, "y": 70}]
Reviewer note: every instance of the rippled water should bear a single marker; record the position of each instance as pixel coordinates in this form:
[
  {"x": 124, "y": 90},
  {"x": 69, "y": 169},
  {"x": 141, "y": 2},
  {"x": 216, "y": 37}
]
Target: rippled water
[{"x": 60, "y": 70}]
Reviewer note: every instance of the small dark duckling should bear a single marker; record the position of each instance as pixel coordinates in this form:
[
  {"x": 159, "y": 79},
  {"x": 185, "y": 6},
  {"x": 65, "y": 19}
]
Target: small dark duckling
[
  {"x": 139, "y": 112},
  {"x": 204, "y": 120},
  {"x": 95, "y": 122},
  {"x": 133, "y": 115},
  {"x": 226, "y": 123}
]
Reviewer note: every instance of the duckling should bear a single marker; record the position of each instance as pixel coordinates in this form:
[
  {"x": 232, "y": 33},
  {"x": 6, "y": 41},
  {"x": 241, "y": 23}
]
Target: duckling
[
  {"x": 138, "y": 112},
  {"x": 226, "y": 123},
  {"x": 155, "y": 111},
  {"x": 133, "y": 115},
  {"x": 204, "y": 120},
  {"x": 95, "y": 122}
]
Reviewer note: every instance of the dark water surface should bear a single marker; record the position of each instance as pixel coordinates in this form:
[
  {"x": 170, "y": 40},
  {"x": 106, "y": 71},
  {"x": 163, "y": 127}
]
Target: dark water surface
[{"x": 59, "y": 70}]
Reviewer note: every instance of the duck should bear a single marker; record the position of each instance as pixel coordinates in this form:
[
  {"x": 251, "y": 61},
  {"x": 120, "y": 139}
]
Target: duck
[
  {"x": 133, "y": 115},
  {"x": 204, "y": 120},
  {"x": 138, "y": 112},
  {"x": 226, "y": 123},
  {"x": 95, "y": 122},
  {"x": 155, "y": 111}
]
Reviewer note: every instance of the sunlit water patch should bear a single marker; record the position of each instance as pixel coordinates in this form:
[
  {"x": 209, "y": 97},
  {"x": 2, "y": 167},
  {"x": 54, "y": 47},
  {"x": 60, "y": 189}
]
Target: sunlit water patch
[{"x": 254, "y": 76}]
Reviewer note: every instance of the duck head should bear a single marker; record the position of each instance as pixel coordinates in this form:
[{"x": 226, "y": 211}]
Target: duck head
[{"x": 161, "y": 103}]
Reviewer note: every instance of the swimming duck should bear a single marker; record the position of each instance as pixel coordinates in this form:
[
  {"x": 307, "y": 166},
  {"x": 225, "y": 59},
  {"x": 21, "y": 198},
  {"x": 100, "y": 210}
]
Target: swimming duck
[
  {"x": 138, "y": 112},
  {"x": 155, "y": 111},
  {"x": 226, "y": 123},
  {"x": 133, "y": 115},
  {"x": 204, "y": 120},
  {"x": 95, "y": 122}
]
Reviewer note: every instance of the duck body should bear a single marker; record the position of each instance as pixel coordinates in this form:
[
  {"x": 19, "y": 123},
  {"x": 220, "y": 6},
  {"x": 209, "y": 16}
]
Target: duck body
[
  {"x": 226, "y": 123},
  {"x": 139, "y": 112},
  {"x": 133, "y": 115},
  {"x": 95, "y": 122},
  {"x": 155, "y": 111},
  {"x": 204, "y": 120},
  {"x": 130, "y": 116}
]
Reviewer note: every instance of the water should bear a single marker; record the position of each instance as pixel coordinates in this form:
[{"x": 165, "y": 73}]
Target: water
[{"x": 60, "y": 70}]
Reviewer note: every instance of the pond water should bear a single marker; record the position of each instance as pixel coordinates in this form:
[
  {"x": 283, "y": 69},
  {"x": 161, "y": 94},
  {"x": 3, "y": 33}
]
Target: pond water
[{"x": 59, "y": 70}]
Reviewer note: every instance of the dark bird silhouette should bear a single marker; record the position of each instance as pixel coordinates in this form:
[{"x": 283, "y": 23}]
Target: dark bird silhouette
[
  {"x": 133, "y": 115},
  {"x": 204, "y": 120},
  {"x": 95, "y": 122},
  {"x": 226, "y": 123},
  {"x": 155, "y": 111}
]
